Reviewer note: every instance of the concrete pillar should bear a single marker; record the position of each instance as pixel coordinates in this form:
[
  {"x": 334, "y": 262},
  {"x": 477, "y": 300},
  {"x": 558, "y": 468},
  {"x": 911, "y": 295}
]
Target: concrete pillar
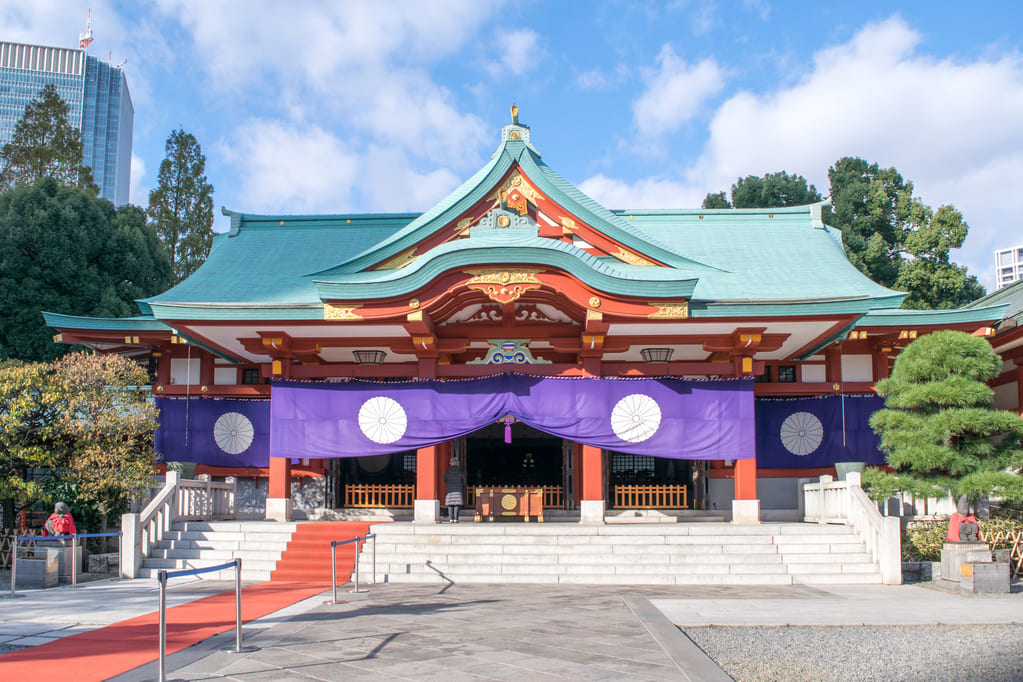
[
  {"x": 427, "y": 504},
  {"x": 591, "y": 507},
  {"x": 278, "y": 501}
]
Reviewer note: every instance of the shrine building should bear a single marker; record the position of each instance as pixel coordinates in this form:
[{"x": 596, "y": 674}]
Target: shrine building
[{"x": 618, "y": 359}]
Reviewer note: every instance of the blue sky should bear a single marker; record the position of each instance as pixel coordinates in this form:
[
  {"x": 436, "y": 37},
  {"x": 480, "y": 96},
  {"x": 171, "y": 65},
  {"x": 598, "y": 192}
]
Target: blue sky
[{"x": 385, "y": 105}]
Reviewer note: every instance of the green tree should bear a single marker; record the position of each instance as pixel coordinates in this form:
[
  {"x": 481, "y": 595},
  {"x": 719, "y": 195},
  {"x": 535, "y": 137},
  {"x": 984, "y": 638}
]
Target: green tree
[
  {"x": 64, "y": 251},
  {"x": 939, "y": 429},
  {"x": 27, "y": 421},
  {"x": 105, "y": 428},
  {"x": 895, "y": 239},
  {"x": 773, "y": 190},
  {"x": 181, "y": 206},
  {"x": 716, "y": 200},
  {"x": 45, "y": 144}
]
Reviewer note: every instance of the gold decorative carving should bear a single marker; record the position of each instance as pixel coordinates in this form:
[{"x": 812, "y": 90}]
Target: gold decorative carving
[
  {"x": 503, "y": 221},
  {"x": 568, "y": 225},
  {"x": 670, "y": 311},
  {"x": 399, "y": 261},
  {"x": 503, "y": 286},
  {"x": 340, "y": 312},
  {"x": 631, "y": 258},
  {"x": 594, "y": 302},
  {"x": 463, "y": 225},
  {"x": 515, "y": 180},
  {"x": 413, "y": 303},
  {"x": 594, "y": 316},
  {"x": 515, "y": 135}
]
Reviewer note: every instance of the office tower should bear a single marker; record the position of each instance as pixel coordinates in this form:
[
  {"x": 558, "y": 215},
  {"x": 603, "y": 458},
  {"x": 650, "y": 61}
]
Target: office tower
[
  {"x": 98, "y": 100},
  {"x": 1008, "y": 266}
]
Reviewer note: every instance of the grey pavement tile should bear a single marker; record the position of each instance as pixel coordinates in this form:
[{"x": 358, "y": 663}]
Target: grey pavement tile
[{"x": 34, "y": 640}]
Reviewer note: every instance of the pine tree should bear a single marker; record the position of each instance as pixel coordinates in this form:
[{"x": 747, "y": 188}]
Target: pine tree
[
  {"x": 45, "y": 144},
  {"x": 181, "y": 207},
  {"x": 940, "y": 430}
]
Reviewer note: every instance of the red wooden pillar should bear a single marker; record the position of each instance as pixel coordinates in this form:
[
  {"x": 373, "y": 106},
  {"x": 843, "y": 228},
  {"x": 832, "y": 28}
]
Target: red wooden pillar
[
  {"x": 427, "y": 504},
  {"x": 278, "y": 500},
  {"x": 745, "y": 479},
  {"x": 591, "y": 484}
]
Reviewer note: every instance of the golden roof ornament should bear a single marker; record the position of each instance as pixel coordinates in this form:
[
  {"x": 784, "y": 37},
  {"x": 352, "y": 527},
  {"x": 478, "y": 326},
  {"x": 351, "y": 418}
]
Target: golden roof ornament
[{"x": 515, "y": 114}]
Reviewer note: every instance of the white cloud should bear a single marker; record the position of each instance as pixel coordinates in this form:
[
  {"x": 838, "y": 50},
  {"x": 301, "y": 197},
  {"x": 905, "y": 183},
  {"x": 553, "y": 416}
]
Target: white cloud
[
  {"x": 676, "y": 91},
  {"x": 392, "y": 184},
  {"x": 244, "y": 41},
  {"x": 950, "y": 125},
  {"x": 138, "y": 192},
  {"x": 644, "y": 193},
  {"x": 519, "y": 53},
  {"x": 290, "y": 169}
]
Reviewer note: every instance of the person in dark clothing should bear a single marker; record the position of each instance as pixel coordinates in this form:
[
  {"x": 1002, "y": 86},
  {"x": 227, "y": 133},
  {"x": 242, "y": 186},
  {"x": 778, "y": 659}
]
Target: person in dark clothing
[{"x": 454, "y": 481}]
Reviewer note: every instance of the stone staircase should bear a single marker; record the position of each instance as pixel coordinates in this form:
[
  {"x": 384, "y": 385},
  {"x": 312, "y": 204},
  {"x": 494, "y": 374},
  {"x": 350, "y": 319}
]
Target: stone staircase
[
  {"x": 200, "y": 544},
  {"x": 707, "y": 553}
]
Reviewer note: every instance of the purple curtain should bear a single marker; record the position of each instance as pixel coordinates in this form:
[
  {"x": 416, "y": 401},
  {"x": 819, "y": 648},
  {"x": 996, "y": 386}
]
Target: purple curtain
[
  {"x": 797, "y": 433},
  {"x": 662, "y": 417},
  {"x": 231, "y": 433}
]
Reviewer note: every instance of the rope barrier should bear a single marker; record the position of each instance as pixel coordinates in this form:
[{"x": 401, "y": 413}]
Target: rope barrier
[
  {"x": 163, "y": 575},
  {"x": 51, "y": 538},
  {"x": 334, "y": 544}
]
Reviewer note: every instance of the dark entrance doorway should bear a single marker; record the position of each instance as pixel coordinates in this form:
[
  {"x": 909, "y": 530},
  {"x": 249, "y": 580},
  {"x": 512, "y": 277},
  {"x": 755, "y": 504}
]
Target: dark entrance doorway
[
  {"x": 532, "y": 459},
  {"x": 645, "y": 482}
]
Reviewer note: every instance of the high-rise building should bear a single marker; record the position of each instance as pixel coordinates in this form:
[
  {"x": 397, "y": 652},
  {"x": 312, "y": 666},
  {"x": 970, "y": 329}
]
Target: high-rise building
[
  {"x": 98, "y": 100},
  {"x": 1008, "y": 266}
]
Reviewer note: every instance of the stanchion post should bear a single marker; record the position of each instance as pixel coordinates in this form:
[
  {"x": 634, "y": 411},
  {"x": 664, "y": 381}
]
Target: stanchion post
[
  {"x": 333, "y": 568},
  {"x": 161, "y": 577},
  {"x": 358, "y": 541},
  {"x": 374, "y": 536},
  {"x": 14, "y": 564},
  {"x": 238, "y": 604},
  {"x": 74, "y": 561},
  {"x": 238, "y": 648}
]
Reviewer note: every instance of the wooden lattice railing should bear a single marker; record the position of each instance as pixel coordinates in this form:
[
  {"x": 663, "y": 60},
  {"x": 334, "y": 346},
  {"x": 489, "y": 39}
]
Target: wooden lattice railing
[
  {"x": 651, "y": 497},
  {"x": 553, "y": 495},
  {"x": 1010, "y": 539},
  {"x": 380, "y": 496}
]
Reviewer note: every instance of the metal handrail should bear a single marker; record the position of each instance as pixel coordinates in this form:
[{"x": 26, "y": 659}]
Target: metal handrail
[
  {"x": 162, "y": 576},
  {"x": 51, "y": 538},
  {"x": 334, "y": 544}
]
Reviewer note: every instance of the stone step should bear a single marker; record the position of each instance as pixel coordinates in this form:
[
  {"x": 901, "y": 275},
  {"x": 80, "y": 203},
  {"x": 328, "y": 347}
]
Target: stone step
[{"x": 245, "y": 555}]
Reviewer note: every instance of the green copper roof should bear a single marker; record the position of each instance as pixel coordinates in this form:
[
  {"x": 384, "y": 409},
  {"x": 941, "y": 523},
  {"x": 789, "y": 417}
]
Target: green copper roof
[
  {"x": 268, "y": 259},
  {"x": 727, "y": 262},
  {"x": 763, "y": 255},
  {"x": 143, "y": 323},
  {"x": 1012, "y": 295},
  {"x": 910, "y": 318}
]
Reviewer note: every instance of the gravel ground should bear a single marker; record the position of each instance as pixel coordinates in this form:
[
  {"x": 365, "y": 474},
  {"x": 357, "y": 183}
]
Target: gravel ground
[{"x": 911, "y": 653}]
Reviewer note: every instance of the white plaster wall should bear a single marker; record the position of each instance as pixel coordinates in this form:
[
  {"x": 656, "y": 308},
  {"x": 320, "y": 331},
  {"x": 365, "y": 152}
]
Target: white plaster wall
[
  {"x": 225, "y": 375},
  {"x": 857, "y": 368},
  {"x": 813, "y": 374},
  {"x": 184, "y": 371}
]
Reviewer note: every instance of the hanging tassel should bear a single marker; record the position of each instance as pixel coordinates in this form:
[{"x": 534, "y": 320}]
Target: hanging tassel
[{"x": 507, "y": 428}]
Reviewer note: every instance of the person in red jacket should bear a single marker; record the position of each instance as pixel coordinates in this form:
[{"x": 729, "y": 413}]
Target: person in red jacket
[{"x": 60, "y": 522}]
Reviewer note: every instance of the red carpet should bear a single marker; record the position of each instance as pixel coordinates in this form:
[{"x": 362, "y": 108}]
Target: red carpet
[
  {"x": 118, "y": 648},
  {"x": 307, "y": 557},
  {"x": 114, "y": 649}
]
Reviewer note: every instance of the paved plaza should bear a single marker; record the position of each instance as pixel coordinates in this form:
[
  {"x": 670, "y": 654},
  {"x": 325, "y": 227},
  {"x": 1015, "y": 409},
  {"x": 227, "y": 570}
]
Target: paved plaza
[{"x": 504, "y": 632}]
